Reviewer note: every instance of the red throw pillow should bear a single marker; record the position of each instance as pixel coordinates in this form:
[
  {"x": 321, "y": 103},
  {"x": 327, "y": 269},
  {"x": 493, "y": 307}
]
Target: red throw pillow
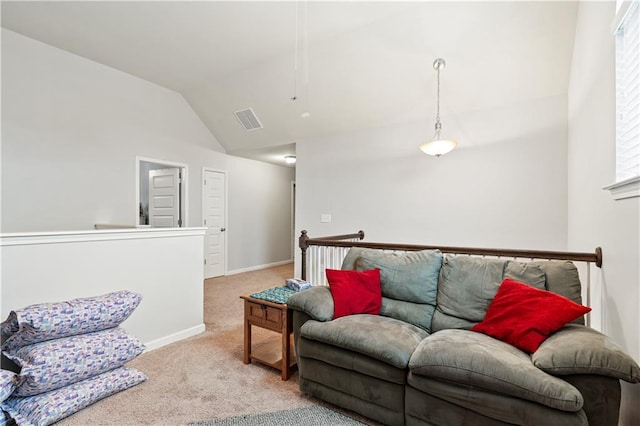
[
  {"x": 355, "y": 292},
  {"x": 524, "y": 316}
]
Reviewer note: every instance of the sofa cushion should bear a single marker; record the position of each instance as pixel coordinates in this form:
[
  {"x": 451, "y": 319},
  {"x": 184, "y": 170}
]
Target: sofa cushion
[
  {"x": 524, "y": 316},
  {"x": 468, "y": 405},
  {"x": 562, "y": 278},
  {"x": 577, "y": 349},
  {"x": 413, "y": 313},
  {"x": 468, "y": 285},
  {"x": 474, "y": 359},
  {"x": 355, "y": 292},
  {"x": 526, "y": 272},
  {"x": 347, "y": 359},
  {"x": 409, "y": 276},
  {"x": 349, "y": 261},
  {"x": 409, "y": 282},
  {"x": 385, "y": 339},
  {"x": 316, "y": 302}
]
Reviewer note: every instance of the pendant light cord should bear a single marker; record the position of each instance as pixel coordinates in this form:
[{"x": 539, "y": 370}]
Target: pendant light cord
[
  {"x": 438, "y": 64},
  {"x": 295, "y": 58},
  {"x": 438, "y": 99}
]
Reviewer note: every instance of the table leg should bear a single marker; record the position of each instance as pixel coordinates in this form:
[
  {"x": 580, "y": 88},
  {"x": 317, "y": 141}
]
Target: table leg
[
  {"x": 286, "y": 345},
  {"x": 247, "y": 335}
]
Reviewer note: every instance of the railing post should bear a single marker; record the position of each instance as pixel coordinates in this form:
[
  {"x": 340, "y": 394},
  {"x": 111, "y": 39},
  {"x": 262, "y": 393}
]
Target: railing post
[
  {"x": 599, "y": 257},
  {"x": 302, "y": 243}
]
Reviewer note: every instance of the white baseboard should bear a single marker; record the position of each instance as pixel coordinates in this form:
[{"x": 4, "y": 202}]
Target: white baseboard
[
  {"x": 163, "y": 341},
  {"x": 258, "y": 267}
]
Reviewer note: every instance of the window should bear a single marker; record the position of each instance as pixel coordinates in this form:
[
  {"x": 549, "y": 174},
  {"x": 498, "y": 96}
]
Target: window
[{"x": 627, "y": 35}]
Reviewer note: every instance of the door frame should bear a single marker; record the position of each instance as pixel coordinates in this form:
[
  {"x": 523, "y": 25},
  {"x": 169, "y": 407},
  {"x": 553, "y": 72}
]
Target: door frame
[
  {"x": 184, "y": 168},
  {"x": 294, "y": 246},
  {"x": 226, "y": 210}
]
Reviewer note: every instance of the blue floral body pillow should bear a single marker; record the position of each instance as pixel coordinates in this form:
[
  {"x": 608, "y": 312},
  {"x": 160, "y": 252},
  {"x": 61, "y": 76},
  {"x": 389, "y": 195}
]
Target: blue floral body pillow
[
  {"x": 47, "y": 321},
  {"x": 56, "y": 363},
  {"x": 8, "y": 382},
  {"x": 49, "y": 407}
]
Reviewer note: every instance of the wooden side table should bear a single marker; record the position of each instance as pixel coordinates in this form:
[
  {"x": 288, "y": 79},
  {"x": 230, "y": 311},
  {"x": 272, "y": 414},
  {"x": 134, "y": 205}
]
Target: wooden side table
[{"x": 275, "y": 317}]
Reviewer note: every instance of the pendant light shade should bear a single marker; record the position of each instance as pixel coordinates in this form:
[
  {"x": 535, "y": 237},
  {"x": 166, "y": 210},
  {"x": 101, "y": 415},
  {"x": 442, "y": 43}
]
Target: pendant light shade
[{"x": 438, "y": 146}]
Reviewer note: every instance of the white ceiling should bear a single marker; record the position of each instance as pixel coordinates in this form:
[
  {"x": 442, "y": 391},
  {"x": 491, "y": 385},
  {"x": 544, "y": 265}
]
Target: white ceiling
[{"x": 361, "y": 64}]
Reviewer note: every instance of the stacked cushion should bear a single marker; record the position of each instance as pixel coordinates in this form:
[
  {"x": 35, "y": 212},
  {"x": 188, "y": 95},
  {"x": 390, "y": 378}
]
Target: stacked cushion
[
  {"x": 70, "y": 355},
  {"x": 8, "y": 382},
  {"x": 47, "y": 321},
  {"x": 55, "y": 363}
]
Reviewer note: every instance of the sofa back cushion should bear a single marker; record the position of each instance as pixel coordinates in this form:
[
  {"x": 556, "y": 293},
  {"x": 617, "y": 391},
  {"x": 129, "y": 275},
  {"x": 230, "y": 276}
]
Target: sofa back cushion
[
  {"x": 562, "y": 278},
  {"x": 467, "y": 286},
  {"x": 409, "y": 281}
]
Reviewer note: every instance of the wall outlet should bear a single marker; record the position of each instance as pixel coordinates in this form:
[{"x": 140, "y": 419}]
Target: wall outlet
[{"x": 325, "y": 218}]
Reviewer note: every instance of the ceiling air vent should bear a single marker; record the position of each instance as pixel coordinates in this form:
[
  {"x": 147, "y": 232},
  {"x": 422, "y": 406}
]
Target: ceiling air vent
[{"x": 248, "y": 119}]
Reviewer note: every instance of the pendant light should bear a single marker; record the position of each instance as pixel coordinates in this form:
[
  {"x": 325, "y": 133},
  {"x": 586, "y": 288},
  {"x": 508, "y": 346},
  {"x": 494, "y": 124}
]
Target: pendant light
[{"x": 438, "y": 146}]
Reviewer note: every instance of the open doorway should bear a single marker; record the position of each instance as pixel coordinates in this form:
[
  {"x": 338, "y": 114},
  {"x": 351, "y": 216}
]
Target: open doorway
[{"x": 161, "y": 193}]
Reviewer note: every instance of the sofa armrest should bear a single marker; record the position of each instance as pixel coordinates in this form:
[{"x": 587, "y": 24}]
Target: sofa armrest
[
  {"x": 576, "y": 349},
  {"x": 316, "y": 302}
]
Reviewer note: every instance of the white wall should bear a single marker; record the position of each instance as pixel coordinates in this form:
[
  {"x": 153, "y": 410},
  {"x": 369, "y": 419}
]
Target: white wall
[
  {"x": 506, "y": 194},
  {"x": 594, "y": 217},
  {"x": 259, "y": 222},
  {"x": 163, "y": 265},
  {"x": 71, "y": 131}
]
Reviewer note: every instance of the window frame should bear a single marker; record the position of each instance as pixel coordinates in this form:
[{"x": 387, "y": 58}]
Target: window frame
[{"x": 627, "y": 186}]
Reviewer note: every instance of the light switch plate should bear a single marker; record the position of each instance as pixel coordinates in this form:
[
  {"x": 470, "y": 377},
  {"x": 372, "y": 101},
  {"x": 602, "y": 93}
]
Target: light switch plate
[{"x": 325, "y": 218}]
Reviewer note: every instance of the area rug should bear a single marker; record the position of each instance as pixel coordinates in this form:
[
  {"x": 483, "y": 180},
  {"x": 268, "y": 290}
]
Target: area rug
[{"x": 315, "y": 415}]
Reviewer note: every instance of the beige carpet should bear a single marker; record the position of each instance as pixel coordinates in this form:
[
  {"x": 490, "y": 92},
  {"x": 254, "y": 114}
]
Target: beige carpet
[{"x": 203, "y": 377}]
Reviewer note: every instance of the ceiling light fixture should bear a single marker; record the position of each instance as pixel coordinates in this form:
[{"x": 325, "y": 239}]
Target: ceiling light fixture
[
  {"x": 438, "y": 146},
  {"x": 290, "y": 159}
]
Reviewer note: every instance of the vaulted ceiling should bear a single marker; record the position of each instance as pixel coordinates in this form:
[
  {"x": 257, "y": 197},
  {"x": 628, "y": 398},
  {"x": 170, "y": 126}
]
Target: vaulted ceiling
[{"x": 360, "y": 64}]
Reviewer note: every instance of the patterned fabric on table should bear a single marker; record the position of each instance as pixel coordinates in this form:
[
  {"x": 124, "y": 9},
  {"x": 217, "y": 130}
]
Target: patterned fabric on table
[
  {"x": 47, "y": 321},
  {"x": 56, "y": 363},
  {"x": 8, "y": 382},
  {"x": 276, "y": 295},
  {"x": 49, "y": 407}
]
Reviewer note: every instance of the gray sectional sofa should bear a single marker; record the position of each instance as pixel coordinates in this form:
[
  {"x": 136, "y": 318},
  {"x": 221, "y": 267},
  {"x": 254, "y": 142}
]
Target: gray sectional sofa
[{"x": 418, "y": 362}]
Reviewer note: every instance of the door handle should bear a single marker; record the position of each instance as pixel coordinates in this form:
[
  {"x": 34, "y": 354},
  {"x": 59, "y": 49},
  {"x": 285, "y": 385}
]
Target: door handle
[{"x": 223, "y": 229}]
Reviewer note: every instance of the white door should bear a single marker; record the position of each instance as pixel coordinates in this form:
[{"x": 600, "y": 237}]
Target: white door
[
  {"x": 164, "y": 198},
  {"x": 213, "y": 203}
]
